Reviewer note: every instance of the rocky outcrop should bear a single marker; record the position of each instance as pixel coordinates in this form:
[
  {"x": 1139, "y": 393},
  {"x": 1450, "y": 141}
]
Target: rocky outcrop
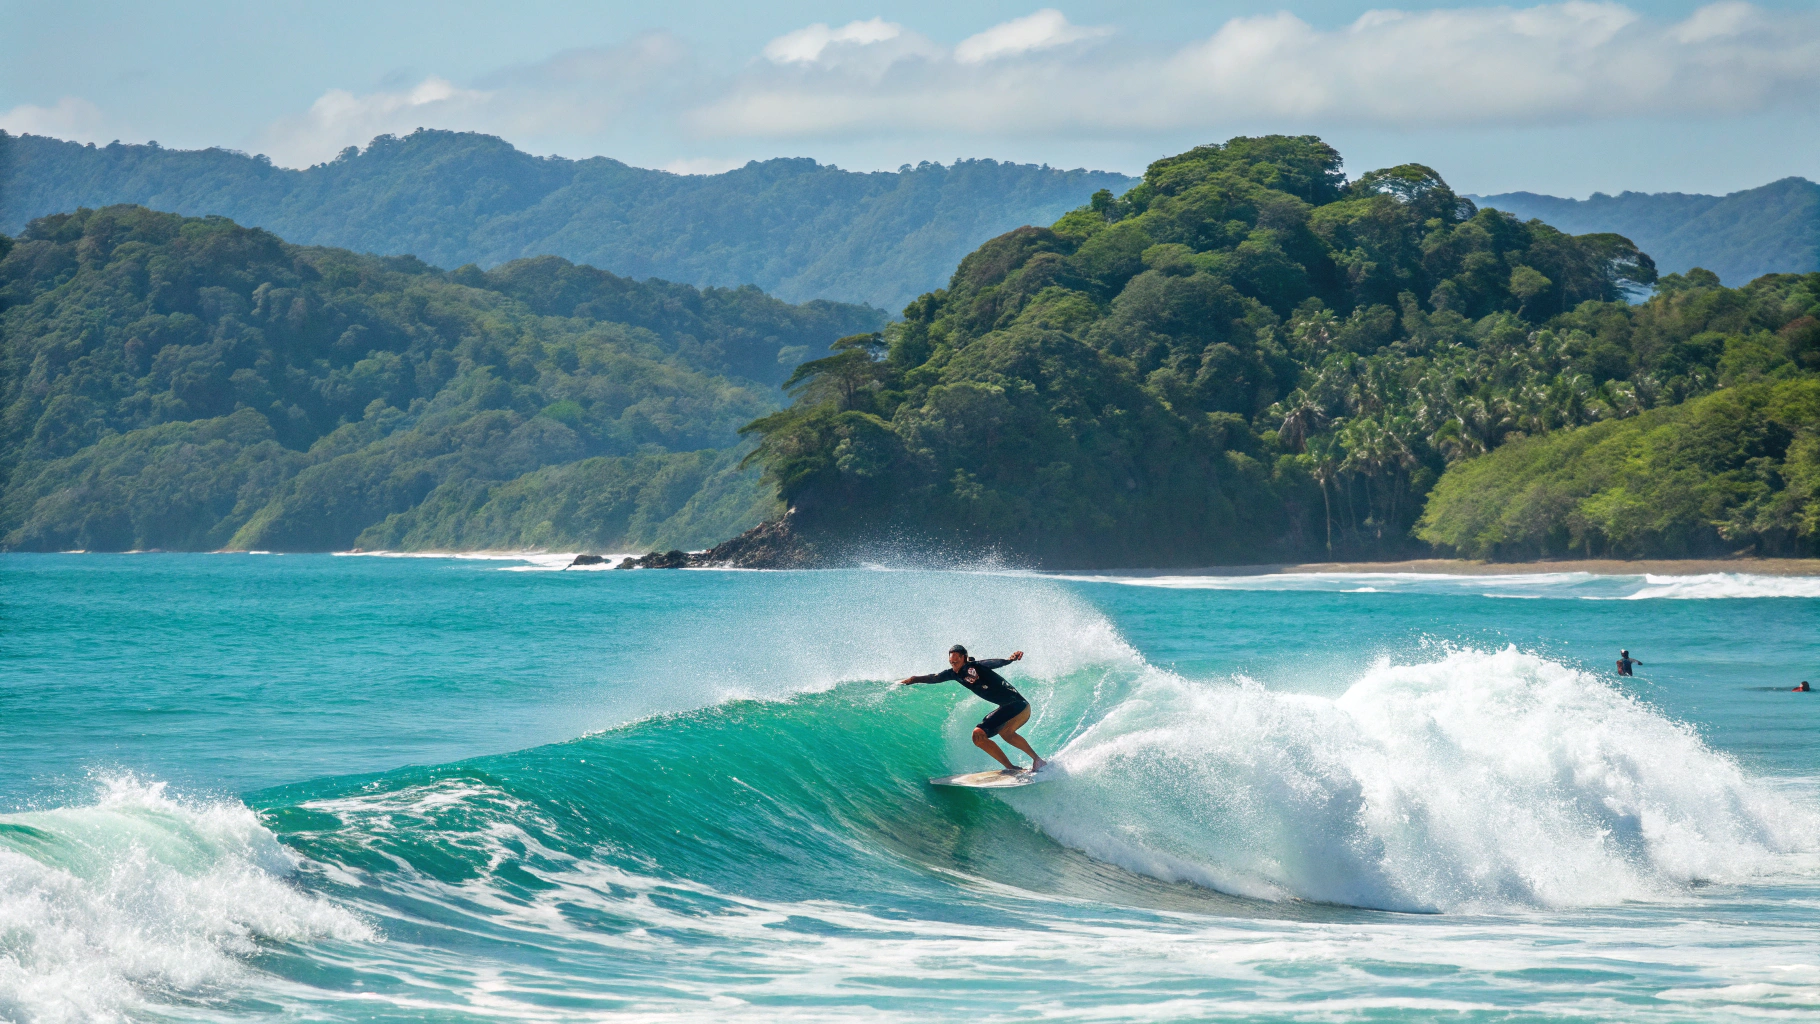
[
  {"x": 772, "y": 545},
  {"x": 586, "y": 560},
  {"x": 660, "y": 560}
]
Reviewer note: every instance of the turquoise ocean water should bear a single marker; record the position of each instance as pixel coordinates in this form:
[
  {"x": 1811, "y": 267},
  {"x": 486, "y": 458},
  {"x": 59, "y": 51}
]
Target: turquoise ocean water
[{"x": 321, "y": 788}]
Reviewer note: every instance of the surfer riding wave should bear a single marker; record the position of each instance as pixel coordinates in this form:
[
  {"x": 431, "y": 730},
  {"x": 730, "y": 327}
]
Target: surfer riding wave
[{"x": 1005, "y": 720}]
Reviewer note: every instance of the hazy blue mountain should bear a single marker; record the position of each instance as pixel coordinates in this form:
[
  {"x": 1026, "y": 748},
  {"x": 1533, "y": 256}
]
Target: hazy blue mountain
[
  {"x": 796, "y": 228},
  {"x": 1774, "y": 229}
]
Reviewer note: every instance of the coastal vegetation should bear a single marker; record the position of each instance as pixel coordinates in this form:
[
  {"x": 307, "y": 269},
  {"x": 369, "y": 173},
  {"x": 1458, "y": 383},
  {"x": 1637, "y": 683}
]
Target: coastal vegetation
[
  {"x": 1248, "y": 357},
  {"x": 187, "y": 383},
  {"x": 795, "y": 228},
  {"x": 1736, "y": 469}
]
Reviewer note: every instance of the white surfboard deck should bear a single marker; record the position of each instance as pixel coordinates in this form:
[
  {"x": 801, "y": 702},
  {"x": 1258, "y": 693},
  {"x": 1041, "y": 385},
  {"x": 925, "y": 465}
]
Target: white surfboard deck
[{"x": 991, "y": 780}]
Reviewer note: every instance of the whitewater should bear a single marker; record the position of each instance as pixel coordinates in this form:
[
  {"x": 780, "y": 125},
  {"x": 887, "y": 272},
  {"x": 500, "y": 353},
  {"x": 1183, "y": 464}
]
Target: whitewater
[{"x": 302, "y": 788}]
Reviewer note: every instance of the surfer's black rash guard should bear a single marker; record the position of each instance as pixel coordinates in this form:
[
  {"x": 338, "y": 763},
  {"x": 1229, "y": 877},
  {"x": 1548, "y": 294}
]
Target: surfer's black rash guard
[{"x": 979, "y": 677}]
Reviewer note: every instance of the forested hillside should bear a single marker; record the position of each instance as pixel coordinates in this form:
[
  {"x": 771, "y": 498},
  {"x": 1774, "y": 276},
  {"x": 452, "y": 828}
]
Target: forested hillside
[
  {"x": 1774, "y": 229},
  {"x": 1736, "y": 469},
  {"x": 1248, "y": 358},
  {"x": 183, "y": 383},
  {"x": 795, "y": 228}
]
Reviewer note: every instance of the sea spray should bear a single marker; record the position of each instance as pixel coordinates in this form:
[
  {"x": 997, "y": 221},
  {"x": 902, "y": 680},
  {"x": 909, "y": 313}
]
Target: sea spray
[
  {"x": 1482, "y": 780},
  {"x": 136, "y": 892},
  {"x": 873, "y": 626}
]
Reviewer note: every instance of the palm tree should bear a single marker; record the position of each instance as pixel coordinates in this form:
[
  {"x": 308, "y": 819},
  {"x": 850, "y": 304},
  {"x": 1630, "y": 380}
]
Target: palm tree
[
  {"x": 1304, "y": 418},
  {"x": 1325, "y": 468}
]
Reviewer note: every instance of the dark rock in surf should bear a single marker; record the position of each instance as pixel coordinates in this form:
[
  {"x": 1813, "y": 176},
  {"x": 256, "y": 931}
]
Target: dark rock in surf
[
  {"x": 660, "y": 560},
  {"x": 586, "y": 560},
  {"x": 772, "y": 545}
]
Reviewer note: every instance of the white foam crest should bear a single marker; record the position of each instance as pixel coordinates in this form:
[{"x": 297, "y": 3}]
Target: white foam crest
[
  {"x": 1726, "y": 584},
  {"x": 1349, "y": 582},
  {"x": 139, "y": 893},
  {"x": 565, "y": 562},
  {"x": 1571, "y": 585},
  {"x": 557, "y": 558},
  {"x": 529, "y": 561},
  {"x": 1764, "y": 994},
  {"x": 1482, "y": 780}
]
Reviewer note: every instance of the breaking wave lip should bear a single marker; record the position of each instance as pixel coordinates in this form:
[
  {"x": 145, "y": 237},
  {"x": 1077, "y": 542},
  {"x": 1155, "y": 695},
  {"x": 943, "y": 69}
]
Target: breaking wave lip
[
  {"x": 1726, "y": 584},
  {"x": 1482, "y": 781},
  {"x": 109, "y": 904},
  {"x": 1569, "y": 585}
]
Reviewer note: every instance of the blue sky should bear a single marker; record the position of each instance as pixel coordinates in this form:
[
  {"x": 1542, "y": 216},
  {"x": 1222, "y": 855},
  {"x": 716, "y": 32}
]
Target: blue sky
[{"x": 1566, "y": 98}]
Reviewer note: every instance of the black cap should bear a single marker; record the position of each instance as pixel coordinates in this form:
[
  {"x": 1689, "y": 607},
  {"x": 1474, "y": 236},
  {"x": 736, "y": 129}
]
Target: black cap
[{"x": 958, "y": 649}]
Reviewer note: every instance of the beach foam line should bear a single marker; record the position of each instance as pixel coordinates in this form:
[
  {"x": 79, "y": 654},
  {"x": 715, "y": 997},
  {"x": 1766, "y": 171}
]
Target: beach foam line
[
  {"x": 1565, "y": 585},
  {"x": 529, "y": 561},
  {"x": 1726, "y": 585}
]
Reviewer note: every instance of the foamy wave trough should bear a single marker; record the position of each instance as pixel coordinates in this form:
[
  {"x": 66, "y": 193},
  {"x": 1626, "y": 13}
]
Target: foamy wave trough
[{"x": 138, "y": 892}]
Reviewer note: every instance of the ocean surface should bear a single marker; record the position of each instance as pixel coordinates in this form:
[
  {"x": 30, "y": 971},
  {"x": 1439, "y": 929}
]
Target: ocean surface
[{"x": 338, "y": 788}]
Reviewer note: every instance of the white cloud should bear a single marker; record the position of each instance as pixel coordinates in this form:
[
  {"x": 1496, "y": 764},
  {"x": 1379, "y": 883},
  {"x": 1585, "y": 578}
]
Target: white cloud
[
  {"x": 70, "y": 118},
  {"x": 340, "y": 118},
  {"x": 701, "y": 165},
  {"x": 1717, "y": 21},
  {"x": 1030, "y": 78},
  {"x": 1559, "y": 63},
  {"x": 1040, "y": 31},
  {"x": 576, "y": 92},
  {"x": 806, "y": 45}
]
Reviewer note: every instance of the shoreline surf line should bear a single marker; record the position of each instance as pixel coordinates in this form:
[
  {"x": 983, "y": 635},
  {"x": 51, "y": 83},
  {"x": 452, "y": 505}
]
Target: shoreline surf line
[
  {"x": 1809, "y": 567},
  {"x": 1464, "y": 567}
]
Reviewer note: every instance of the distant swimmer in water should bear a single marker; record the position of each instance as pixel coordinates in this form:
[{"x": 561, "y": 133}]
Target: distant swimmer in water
[
  {"x": 1803, "y": 688},
  {"x": 1625, "y": 661},
  {"x": 1010, "y": 715}
]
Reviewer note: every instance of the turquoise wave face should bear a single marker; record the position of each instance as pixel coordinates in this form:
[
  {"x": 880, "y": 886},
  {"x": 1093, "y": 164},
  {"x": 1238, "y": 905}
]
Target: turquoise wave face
[{"x": 1426, "y": 803}]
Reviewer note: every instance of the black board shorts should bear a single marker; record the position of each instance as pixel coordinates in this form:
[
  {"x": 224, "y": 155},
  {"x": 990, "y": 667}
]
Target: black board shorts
[{"x": 1000, "y": 715}]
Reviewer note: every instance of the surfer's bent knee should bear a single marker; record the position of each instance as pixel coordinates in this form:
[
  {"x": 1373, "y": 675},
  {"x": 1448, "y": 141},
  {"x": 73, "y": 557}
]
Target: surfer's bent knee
[{"x": 1001, "y": 718}]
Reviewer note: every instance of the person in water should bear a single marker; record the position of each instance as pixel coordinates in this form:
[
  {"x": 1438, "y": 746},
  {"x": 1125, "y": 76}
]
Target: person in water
[
  {"x": 1803, "y": 688},
  {"x": 1625, "y": 661},
  {"x": 1005, "y": 720}
]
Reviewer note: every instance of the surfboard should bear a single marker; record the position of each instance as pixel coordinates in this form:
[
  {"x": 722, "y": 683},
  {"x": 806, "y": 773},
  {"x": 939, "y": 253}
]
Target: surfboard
[{"x": 991, "y": 780}]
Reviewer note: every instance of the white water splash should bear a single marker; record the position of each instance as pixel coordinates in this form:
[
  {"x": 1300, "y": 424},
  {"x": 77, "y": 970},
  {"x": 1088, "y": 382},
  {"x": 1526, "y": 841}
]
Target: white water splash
[
  {"x": 1483, "y": 780},
  {"x": 137, "y": 893}
]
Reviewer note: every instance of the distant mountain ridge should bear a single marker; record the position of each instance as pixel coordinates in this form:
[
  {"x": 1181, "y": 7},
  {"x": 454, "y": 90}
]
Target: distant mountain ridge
[
  {"x": 1773, "y": 229},
  {"x": 798, "y": 229}
]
